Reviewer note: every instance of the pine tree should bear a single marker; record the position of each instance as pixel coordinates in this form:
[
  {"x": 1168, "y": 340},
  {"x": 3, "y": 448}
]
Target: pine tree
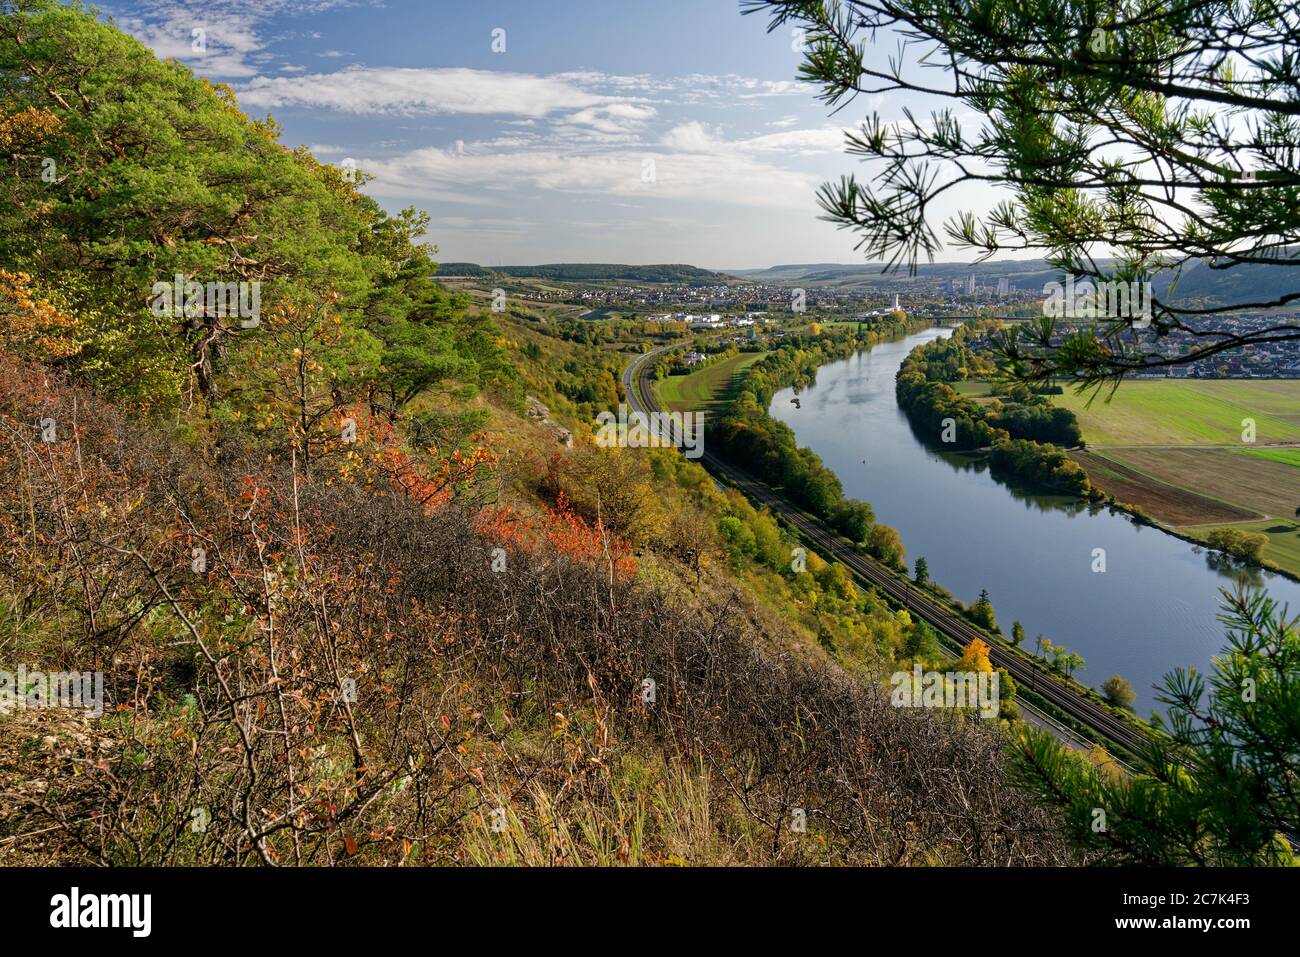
[
  {"x": 1222, "y": 788},
  {"x": 1208, "y": 178},
  {"x": 982, "y": 612},
  {"x": 922, "y": 575}
]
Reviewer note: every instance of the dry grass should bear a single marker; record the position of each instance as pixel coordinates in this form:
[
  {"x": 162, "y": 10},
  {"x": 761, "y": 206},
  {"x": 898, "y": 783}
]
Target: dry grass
[{"x": 351, "y": 680}]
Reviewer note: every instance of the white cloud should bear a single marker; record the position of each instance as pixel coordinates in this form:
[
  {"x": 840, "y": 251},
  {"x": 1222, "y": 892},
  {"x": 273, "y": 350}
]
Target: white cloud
[
  {"x": 829, "y": 139},
  {"x": 695, "y": 137},
  {"x": 698, "y": 87},
  {"x": 692, "y": 137},
  {"x": 725, "y": 176},
  {"x": 229, "y": 42},
  {"x": 412, "y": 90},
  {"x": 614, "y": 118}
]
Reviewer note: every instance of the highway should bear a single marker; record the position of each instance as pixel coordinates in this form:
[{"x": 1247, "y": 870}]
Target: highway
[{"x": 1104, "y": 727}]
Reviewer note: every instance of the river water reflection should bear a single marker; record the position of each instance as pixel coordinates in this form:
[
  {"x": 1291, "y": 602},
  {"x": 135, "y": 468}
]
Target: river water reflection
[{"x": 1152, "y": 610}]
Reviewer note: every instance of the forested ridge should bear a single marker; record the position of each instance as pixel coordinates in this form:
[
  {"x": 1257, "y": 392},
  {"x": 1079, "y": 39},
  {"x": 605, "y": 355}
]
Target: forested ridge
[{"x": 590, "y": 272}]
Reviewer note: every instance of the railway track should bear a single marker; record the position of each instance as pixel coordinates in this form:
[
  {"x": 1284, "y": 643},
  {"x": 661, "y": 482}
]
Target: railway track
[{"x": 1103, "y": 727}]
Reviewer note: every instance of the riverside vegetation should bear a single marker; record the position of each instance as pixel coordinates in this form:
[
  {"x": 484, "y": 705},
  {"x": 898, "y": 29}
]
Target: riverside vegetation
[
  {"x": 1026, "y": 434},
  {"x": 1021, "y": 431}
]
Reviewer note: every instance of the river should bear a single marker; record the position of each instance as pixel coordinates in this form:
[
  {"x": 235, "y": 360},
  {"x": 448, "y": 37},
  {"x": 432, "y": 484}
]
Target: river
[{"x": 1153, "y": 609}]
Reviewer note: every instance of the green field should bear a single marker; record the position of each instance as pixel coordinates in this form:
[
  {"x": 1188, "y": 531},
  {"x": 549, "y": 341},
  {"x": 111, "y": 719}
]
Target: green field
[
  {"x": 1159, "y": 437},
  {"x": 1168, "y": 412},
  {"x": 1285, "y": 456},
  {"x": 707, "y": 389}
]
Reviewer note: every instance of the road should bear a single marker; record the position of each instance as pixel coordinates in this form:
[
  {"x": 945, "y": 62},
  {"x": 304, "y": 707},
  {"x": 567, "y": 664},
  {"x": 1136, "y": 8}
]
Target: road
[{"x": 1105, "y": 727}]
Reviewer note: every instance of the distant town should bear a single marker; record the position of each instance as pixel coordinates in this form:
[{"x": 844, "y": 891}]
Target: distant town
[{"x": 1272, "y": 360}]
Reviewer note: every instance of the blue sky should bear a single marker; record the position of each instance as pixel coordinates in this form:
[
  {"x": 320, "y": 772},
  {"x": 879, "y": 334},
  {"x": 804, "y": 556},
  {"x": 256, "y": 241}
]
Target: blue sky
[{"x": 617, "y": 131}]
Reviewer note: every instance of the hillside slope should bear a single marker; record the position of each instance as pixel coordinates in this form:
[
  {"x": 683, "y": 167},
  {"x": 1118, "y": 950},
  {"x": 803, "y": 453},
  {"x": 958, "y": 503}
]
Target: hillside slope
[{"x": 360, "y": 586}]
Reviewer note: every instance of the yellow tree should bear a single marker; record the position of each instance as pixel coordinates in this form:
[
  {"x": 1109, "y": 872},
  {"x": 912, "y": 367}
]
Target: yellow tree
[
  {"x": 30, "y": 326},
  {"x": 975, "y": 657}
]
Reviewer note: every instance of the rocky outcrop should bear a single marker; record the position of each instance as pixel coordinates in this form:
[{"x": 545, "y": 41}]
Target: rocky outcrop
[{"x": 539, "y": 413}]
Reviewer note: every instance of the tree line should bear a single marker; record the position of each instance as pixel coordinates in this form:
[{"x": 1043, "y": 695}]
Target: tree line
[
  {"x": 1022, "y": 431},
  {"x": 747, "y": 435}
]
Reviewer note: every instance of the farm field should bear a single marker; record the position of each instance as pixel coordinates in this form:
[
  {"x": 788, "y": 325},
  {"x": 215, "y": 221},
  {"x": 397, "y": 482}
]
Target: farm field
[
  {"x": 1169, "y": 412},
  {"x": 1195, "y": 490},
  {"x": 1154, "y": 446},
  {"x": 1169, "y": 503},
  {"x": 1264, "y": 486},
  {"x": 1287, "y": 456},
  {"x": 706, "y": 389}
]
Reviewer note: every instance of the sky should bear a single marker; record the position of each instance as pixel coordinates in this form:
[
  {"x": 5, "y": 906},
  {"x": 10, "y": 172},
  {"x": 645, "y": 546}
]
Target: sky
[{"x": 531, "y": 131}]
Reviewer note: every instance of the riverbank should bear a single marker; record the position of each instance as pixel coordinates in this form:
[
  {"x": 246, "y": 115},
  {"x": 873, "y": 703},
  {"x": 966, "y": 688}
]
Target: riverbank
[
  {"x": 748, "y": 436},
  {"x": 1235, "y": 490},
  {"x": 1141, "y": 448},
  {"x": 1131, "y": 599},
  {"x": 1200, "y": 536}
]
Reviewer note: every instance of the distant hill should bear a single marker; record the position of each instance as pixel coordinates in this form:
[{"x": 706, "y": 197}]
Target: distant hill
[
  {"x": 799, "y": 270},
  {"x": 588, "y": 272},
  {"x": 462, "y": 269},
  {"x": 1243, "y": 283},
  {"x": 1239, "y": 284},
  {"x": 869, "y": 272}
]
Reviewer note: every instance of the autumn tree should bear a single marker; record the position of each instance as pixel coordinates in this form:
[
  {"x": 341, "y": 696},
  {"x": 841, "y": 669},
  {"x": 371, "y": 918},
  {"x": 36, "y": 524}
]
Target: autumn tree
[
  {"x": 975, "y": 657},
  {"x": 30, "y": 326},
  {"x": 885, "y": 544},
  {"x": 1117, "y": 691}
]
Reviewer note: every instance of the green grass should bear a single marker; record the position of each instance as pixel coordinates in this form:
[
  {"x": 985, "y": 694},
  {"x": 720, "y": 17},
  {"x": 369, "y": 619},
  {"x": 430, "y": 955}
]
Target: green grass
[
  {"x": 1285, "y": 456},
  {"x": 1190, "y": 413},
  {"x": 707, "y": 389}
]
